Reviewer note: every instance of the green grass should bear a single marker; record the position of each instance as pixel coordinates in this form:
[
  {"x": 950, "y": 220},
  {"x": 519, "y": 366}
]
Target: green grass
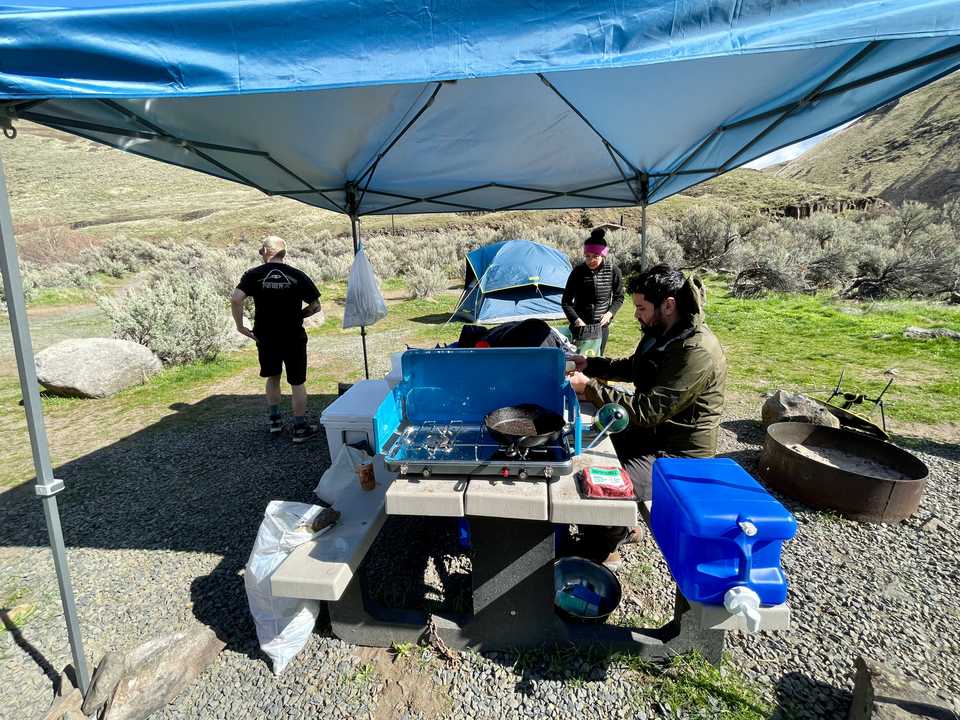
[
  {"x": 15, "y": 612},
  {"x": 691, "y": 687},
  {"x": 55, "y": 297},
  {"x": 174, "y": 384},
  {"x": 801, "y": 342}
]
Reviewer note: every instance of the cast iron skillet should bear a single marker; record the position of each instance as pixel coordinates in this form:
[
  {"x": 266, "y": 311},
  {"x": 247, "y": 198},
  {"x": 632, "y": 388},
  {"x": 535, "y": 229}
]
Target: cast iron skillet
[{"x": 524, "y": 426}]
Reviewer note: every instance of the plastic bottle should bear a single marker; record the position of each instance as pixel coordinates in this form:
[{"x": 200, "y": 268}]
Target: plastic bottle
[{"x": 740, "y": 600}]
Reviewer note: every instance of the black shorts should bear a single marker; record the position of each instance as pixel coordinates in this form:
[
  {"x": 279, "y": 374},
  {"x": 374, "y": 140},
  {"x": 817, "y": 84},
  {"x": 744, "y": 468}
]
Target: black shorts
[{"x": 278, "y": 354}]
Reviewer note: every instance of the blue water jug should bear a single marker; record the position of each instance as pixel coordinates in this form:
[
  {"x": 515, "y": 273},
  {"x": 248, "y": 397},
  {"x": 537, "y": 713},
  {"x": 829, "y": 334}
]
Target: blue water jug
[{"x": 719, "y": 528}]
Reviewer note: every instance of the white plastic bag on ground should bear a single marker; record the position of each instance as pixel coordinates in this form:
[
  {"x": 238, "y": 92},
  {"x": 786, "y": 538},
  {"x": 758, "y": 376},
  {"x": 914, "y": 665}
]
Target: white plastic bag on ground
[
  {"x": 365, "y": 304},
  {"x": 283, "y": 624}
]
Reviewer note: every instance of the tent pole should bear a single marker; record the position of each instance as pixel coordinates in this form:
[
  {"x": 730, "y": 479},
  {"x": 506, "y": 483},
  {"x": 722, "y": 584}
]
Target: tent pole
[
  {"x": 47, "y": 486},
  {"x": 355, "y": 227}
]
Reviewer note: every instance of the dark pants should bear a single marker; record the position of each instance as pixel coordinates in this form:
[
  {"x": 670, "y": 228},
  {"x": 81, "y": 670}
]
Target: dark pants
[
  {"x": 637, "y": 457},
  {"x": 605, "y": 335}
]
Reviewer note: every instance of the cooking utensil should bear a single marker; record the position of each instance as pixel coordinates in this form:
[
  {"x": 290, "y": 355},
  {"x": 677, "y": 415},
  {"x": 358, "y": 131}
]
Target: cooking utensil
[{"x": 524, "y": 426}]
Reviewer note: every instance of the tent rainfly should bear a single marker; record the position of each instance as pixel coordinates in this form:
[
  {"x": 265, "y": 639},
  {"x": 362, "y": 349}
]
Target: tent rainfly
[
  {"x": 408, "y": 106},
  {"x": 513, "y": 280}
]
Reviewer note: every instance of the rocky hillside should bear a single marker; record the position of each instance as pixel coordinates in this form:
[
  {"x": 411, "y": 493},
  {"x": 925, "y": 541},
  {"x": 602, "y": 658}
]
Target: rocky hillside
[{"x": 907, "y": 150}]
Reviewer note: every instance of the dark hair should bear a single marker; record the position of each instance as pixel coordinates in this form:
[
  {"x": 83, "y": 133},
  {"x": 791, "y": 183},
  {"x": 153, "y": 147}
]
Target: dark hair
[
  {"x": 596, "y": 237},
  {"x": 658, "y": 283}
]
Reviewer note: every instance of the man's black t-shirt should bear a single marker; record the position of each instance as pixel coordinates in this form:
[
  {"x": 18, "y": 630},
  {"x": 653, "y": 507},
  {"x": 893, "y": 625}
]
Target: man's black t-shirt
[{"x": 279, "y": 292}]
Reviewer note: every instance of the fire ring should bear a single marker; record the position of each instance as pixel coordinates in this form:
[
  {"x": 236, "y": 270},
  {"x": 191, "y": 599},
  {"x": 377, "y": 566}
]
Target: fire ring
[{"x": 860, "y": 476}]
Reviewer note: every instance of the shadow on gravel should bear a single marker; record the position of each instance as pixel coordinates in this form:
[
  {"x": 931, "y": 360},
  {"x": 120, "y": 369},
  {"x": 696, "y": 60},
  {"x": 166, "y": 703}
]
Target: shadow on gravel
[
  {"x": 747, "y": 431},
  {"x": 945, "y": 450},
  {"x": 433, "y": 319},
  {"x": 799, "y": 696},
  {"x": 559, "y": 664},
  {"x": 21, "y": 642},
  {"x": 197, "y": 481}
]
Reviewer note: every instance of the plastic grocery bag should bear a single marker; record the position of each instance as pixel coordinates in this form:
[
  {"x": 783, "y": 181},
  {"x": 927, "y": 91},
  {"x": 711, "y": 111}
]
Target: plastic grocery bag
[
  {"x": 283, "y": 624},
  {"x": 341, "y": 474},
  {"x": 365, "y": 304}
]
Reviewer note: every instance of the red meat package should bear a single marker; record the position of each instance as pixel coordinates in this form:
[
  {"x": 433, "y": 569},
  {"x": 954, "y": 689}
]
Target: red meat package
[{"x": 606, "y": 482}]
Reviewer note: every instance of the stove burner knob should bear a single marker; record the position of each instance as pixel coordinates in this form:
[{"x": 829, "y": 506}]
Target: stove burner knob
[
  {"x": 505, "y": 472},
  {"x": 403, "y": 470},
  {"x": 522, "y": 474},
  {"x": 548, "y": 472},
  {"x": 426, "y": 472}
]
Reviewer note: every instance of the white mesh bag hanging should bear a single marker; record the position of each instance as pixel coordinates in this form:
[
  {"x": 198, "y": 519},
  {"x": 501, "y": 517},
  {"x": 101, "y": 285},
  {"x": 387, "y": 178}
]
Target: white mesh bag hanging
[{"x": 365, "y": 304}]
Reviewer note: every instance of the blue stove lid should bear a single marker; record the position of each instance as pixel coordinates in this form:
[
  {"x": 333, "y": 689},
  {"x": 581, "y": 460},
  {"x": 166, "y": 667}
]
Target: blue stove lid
[{"x": 465, "y": 384}]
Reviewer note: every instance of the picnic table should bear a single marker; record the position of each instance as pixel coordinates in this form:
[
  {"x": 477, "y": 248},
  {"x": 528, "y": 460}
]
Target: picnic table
[{"x": 513, "y": 529}]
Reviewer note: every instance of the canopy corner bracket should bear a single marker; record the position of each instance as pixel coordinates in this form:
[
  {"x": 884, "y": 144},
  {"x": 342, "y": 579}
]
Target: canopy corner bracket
[{"x": 47, "y": 490}]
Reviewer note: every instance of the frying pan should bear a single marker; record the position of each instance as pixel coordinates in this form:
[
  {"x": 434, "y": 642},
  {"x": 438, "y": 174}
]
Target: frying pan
[{"x": 524, "y": 426}]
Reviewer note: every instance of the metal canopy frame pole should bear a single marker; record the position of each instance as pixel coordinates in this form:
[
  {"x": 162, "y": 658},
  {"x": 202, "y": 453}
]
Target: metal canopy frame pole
[
  {"x": 47, "y": 486},
  {"x": 644, "y": 199},
  {"x": 355, "y": 228}
]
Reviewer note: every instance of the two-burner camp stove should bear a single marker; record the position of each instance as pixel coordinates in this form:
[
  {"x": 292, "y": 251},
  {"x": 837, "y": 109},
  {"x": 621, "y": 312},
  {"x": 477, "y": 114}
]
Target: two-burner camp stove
[
  {"x": 459, "y": 448},
  {"x": 433, "y": 422}
]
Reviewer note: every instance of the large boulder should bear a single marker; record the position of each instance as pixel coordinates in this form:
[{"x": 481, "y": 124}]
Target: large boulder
[
  {"x": 880, "y": 693},
  {"x": 134, "y": 685},
  {"x": 794, "y": 407},
  {"x": 94, "y": 367}
]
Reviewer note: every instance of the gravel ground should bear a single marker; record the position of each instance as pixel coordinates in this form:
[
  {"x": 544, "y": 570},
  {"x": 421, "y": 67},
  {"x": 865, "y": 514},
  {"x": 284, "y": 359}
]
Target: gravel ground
[{"x": 159, "y": 526}]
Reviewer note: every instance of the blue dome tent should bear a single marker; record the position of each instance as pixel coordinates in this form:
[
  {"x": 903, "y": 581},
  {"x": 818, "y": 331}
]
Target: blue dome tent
[
  {"x": 408, "y": 106},
  {"x": 513, "y": 280}
]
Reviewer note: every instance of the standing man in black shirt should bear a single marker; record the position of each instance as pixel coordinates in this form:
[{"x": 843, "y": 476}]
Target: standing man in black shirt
[{"x": 279, "y": 294}]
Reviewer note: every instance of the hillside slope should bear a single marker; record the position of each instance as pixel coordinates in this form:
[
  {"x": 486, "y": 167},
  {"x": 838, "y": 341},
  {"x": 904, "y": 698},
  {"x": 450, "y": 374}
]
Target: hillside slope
[
  {"x": 67, "y": 191},
  {"x": 907, "y": 150}
]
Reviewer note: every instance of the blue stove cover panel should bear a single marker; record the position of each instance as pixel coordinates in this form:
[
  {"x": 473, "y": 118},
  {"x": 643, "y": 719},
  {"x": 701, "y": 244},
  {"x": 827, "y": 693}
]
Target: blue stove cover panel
[{"x": 464, "y": 384}]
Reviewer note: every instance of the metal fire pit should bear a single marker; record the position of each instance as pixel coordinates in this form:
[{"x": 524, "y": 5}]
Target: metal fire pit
[{"x": 862, "y": 477}]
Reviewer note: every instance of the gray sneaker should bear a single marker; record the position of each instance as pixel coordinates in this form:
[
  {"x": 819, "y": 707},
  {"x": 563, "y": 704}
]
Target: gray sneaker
[
  {"x": 276, "y": 425},
  {"x": 302, "y": 433}
]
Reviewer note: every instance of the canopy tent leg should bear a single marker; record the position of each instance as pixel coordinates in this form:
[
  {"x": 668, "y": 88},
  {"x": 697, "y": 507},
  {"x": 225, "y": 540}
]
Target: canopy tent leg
[
  {"x": 47, "y": 486},
  {"x": 355, "y": 227}
]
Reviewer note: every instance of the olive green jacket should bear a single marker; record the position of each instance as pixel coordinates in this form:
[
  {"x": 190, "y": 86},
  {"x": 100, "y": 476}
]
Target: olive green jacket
[{"x": 679, "y": 380}]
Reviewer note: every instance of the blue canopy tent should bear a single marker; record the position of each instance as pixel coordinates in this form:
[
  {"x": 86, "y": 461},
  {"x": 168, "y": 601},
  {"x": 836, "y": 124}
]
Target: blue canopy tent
[
  {"x": 407, "y": 106},
  {"x": 513, "y": 280}
]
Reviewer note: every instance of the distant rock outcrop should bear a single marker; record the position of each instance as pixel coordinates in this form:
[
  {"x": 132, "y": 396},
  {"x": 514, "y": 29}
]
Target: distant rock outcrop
[{"x": 94, "y": 367}]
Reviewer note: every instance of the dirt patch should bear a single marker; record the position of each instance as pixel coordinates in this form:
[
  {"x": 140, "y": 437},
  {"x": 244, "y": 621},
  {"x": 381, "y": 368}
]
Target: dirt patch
[
  {"x": 195, "y": 215},
  {"x": 405, "y": 688}
]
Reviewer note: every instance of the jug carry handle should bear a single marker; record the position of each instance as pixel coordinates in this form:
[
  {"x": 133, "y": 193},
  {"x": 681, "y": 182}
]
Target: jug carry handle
[{"x": 747, "y": 530}]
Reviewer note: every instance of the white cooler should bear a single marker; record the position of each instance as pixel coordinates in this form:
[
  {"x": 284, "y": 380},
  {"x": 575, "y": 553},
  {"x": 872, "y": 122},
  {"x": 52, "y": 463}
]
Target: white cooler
[{"x": 349, "y": 418}]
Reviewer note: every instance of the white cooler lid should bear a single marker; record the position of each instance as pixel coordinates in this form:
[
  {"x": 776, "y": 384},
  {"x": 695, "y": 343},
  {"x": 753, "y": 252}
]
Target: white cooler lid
[{"x": 356, "y": 405}]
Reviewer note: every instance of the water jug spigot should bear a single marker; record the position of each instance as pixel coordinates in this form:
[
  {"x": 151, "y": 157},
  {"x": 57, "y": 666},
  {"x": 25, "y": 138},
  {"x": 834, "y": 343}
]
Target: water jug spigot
[{"x": 743, "y": 601}]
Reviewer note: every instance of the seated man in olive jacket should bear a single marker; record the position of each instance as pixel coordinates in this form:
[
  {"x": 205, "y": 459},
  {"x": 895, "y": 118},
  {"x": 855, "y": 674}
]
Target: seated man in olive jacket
[{"x": 678, "y": 370}]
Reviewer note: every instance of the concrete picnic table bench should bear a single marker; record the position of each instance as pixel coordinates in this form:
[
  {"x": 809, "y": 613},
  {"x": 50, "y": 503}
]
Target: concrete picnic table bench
[{"x": 512, "y": 529}]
